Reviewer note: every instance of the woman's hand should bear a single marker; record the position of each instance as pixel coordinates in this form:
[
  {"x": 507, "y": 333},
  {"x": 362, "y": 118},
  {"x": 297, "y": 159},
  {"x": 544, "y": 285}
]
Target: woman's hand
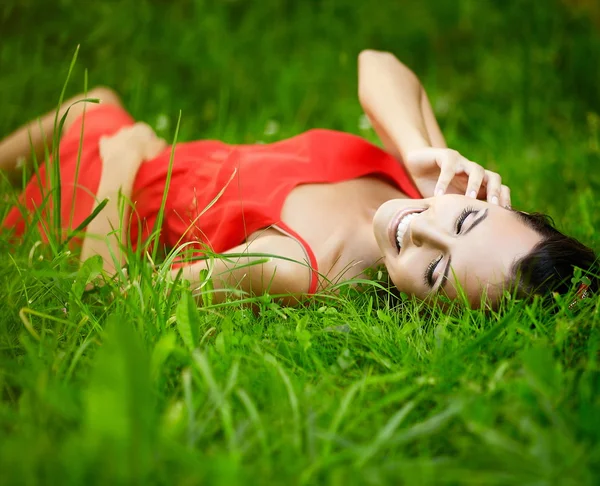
[
  {"x": 122, "y": 155},
  {"x": 438, "y": 171},
  {"x": 130, "y": 147}
]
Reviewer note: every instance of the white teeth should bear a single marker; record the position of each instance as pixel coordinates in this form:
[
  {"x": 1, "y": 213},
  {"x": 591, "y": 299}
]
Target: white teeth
[{"x": 403, "y": 226}]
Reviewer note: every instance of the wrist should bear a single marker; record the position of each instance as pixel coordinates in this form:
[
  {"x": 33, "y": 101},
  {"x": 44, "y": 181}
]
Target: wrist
[{"x": 408, "y": 139}]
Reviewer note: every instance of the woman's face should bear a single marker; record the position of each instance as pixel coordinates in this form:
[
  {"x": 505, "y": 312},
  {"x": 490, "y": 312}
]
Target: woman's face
[{"x": 449, "y": 242}]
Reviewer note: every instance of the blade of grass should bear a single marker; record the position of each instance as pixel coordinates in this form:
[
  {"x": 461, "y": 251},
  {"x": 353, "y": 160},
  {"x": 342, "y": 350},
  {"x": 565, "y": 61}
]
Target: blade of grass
[
  {"x": 157, "y": 230},
  {"x": 79, "y": 149},
  {"x": 55, "y": 182}
]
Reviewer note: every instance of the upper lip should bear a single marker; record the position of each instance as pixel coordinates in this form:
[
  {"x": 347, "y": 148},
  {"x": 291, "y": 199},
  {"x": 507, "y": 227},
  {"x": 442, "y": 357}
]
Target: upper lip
[{"x": 396, "y": 222}]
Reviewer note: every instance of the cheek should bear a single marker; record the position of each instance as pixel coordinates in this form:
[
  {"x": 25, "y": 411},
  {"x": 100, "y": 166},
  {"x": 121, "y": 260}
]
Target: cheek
[
  {"x": 404, "y": 273},
  {"x": 476, "y": 271}
]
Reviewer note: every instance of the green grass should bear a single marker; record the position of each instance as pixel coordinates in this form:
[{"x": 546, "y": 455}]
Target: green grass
[{"x": 110, "y": 387}]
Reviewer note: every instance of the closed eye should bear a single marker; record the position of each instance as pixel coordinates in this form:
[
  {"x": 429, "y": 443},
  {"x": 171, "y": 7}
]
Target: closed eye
[
  {"x": 462, "y": 217},
  {"x": 478, "y": 220},
  {"x": 428, "y": 277}
]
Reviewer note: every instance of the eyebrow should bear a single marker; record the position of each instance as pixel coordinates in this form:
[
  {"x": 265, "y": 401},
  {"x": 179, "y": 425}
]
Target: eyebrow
[{"x": 447, "y": 269}]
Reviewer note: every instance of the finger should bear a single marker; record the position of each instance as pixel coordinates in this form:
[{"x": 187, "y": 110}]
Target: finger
[
  {"x": 153, "y": 148},
  {"x": 493, "y": 184},
  {"x": 142, "y": 131},
  {"x": 448, "y": 164},
  {"x": 505, "y": 197},
  {"x": 476, "y": 174}
]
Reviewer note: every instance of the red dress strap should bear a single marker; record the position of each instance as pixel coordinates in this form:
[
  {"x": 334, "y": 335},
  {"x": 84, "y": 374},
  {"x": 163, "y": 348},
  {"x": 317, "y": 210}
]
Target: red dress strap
[{"x": 312, "y": 259}]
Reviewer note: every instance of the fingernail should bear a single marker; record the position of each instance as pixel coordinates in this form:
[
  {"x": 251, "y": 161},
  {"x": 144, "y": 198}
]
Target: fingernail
[
  {"x": 439, "y": 192},
  {"x": 494, "y": 200},
  {"x": 473, "y": 194}
]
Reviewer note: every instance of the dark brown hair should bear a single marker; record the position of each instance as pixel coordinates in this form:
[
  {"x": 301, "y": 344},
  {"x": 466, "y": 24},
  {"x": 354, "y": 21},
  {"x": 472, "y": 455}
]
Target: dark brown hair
[{"x": 551, "y": 264}]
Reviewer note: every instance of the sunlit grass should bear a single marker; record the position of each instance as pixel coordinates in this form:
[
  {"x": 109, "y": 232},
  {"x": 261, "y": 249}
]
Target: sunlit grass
[{"x": 132, "y": 382}]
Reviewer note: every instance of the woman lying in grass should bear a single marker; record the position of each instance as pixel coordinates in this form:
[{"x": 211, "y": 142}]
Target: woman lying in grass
[{"x": 326, "y": 205}]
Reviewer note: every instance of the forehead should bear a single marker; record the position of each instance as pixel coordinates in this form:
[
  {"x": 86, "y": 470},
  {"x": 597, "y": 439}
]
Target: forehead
[{"x": 483, "y": 258}]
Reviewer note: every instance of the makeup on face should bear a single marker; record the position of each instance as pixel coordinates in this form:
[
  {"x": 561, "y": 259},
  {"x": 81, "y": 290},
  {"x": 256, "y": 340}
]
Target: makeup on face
[{"x": 430, "y": 242}]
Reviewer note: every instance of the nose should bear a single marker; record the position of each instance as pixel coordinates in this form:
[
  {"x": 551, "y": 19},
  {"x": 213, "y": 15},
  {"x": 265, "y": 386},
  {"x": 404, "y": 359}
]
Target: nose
[{"x": 425, "y": 230}]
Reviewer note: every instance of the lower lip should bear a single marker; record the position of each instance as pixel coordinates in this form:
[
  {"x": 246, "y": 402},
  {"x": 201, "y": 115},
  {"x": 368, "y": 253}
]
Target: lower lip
[{"x": 395, "y": 222}]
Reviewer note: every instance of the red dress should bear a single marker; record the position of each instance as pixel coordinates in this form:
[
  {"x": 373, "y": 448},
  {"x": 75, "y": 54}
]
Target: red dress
[{"x": 218, "y": 193}]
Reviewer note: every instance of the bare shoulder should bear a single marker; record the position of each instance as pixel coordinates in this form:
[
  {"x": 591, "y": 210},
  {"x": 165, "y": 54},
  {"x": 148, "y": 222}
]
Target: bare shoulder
[
  {"x": 285, "y": 269},
  {"x": 271, "y": 263}
]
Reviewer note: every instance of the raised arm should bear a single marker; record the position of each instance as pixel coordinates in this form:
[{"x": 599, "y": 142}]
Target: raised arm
[
  {"x": 392, "y": 97},
  {"x": 396, "y": 103}
]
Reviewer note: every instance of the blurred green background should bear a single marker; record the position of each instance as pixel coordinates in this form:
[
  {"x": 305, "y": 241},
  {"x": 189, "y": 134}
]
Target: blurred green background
[
  {"x": 514, "y": 82},
  {"x": 353, "y": 393}
]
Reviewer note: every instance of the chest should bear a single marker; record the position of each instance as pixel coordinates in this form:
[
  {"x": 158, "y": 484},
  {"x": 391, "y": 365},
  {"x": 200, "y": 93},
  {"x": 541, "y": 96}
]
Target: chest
[{"x": 336, "y": 221}]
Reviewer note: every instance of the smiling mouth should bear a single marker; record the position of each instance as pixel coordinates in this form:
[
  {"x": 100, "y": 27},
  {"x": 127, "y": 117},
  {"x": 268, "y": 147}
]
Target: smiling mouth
[{"x": 400, "y": 224}]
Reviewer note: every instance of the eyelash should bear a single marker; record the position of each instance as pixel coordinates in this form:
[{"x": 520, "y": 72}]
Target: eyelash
[
  {"x": 461, "y": 219},
  {"x": 428, "y": 276}
]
